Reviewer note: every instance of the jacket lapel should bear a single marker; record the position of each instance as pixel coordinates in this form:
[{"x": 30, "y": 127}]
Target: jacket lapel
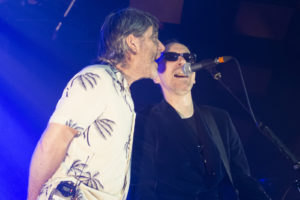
[{"x": 212, "y": 128}]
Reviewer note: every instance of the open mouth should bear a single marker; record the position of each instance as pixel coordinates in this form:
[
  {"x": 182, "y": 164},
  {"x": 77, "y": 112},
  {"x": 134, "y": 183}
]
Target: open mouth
[
  {"x": 180, "y": 75},
  {"x": 157, "y": 56}
]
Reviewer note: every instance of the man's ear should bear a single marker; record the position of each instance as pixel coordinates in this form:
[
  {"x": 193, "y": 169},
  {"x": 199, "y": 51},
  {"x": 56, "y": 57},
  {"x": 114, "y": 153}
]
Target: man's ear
[{"x": 132, "y": 43}]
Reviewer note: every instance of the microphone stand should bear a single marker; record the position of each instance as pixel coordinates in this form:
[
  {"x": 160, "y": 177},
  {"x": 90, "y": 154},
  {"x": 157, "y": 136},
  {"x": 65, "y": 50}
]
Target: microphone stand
[
  {"x": 54, "y": 36},
  {"x": 265, "y": 130}
]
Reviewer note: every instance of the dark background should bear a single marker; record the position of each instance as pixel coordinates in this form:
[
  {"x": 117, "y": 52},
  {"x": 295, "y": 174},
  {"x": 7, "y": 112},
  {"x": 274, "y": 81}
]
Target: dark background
[{"x": 263, "y": 35}]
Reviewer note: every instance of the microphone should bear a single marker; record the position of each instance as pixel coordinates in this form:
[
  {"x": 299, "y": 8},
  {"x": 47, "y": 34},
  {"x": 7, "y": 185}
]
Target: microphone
[{"x": 204, "y": 64}]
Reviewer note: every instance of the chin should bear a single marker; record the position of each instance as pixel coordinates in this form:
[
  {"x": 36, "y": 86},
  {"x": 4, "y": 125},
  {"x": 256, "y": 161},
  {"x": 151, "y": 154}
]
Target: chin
[{"x": 154, "y": 75}]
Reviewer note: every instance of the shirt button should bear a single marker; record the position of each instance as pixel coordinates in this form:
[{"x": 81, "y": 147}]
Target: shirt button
[{"x": 213, "y": 173}]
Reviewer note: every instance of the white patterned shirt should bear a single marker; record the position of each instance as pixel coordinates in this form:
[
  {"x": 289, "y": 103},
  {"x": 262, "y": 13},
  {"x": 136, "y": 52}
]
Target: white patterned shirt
[{"x": 98, "y": 104}]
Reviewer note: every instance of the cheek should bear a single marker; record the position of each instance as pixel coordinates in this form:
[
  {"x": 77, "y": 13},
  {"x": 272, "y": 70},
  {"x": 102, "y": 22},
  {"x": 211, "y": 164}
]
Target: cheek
[
  {"x": 161, "y": 67},
  {"x": 165, "y": 80}
]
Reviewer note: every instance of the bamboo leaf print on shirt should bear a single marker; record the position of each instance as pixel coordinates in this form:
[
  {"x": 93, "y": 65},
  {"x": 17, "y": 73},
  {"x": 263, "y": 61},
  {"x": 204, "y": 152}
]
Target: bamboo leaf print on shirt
[
  {"x": 74, "y": 125},
  {"x": 76, "y": 168},
  {"x": 89, "y": 179},
  {"x": 119, "y": 85},
  {"x": 103, "y": 126},
  {"x": 85, "y": 80},
  {"x": 127, "y": 146},
  {"x": 45, "y": 189}
]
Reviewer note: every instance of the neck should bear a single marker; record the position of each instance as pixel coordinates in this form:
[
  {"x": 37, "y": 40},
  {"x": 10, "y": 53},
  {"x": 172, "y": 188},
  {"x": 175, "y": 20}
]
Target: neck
[
  {"x": 183, "y": 104},
  {"x": 127, "y": 72}
]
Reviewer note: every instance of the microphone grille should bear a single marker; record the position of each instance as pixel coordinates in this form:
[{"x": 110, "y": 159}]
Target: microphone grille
[{"x": 187, "y": 70}]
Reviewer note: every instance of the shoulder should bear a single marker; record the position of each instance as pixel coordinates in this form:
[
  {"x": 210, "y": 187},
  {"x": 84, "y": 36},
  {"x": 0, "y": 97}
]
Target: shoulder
[
  {"x": 91, "y": 76},
  {"x": 92, "y": 80},
  {"x": 152, "y": 114},
  {"x": 104, "y": 71},
  {"x": 151, "y": 110},
  {"x": 221, "y": 118}
]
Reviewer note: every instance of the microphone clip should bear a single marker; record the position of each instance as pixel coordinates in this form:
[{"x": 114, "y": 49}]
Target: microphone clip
[{"x": 215, "y": 73}]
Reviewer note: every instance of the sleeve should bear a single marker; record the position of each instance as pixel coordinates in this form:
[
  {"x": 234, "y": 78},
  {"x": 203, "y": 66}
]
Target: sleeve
[
  {"x": 248, "y": 187},
  {"x": 83, "y": 100},
  {"x": 143, "y": 175}
]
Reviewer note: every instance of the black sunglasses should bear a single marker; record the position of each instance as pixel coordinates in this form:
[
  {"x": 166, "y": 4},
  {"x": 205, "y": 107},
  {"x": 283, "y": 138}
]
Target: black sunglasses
[{"x": 173, "y": 56}]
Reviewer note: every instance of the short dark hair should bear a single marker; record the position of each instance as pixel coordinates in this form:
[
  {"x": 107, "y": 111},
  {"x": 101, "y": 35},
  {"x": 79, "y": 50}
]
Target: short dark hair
[
  {"x": 115, "y": 29},
  {"x": 160, "y": 61},
  {"x": 172, "y": 41}
]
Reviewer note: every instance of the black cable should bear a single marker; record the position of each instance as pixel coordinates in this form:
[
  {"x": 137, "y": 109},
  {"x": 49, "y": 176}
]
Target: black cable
[
  {"x": 217, "y": 76},
  {"x": 296, "y": 183},
  {"x": 261, "y": 127},
  {"x": 286, "y": 192}
]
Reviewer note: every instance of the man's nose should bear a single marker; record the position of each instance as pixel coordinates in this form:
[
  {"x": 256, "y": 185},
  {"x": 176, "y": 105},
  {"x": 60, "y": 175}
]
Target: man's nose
[
  {"x": 181, "y": 60},
  {"x": 161, "y": 47}
]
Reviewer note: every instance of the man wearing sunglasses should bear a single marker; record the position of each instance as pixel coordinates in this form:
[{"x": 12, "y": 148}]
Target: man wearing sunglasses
[{"x": 186, "y": 152}]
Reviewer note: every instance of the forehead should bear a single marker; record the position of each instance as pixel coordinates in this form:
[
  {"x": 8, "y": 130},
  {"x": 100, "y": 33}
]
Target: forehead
[{"x": 177, "y": 47}]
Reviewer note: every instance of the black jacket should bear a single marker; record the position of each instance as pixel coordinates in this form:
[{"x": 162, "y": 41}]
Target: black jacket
[{"x": 167, "y": 163}]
